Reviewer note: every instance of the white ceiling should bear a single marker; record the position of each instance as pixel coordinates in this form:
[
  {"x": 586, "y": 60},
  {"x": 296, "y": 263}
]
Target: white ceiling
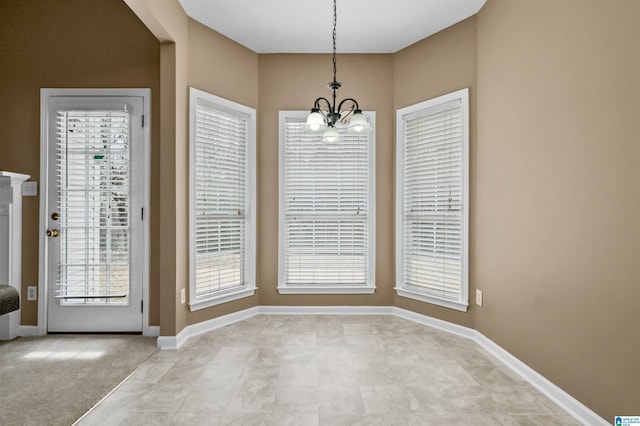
[{"x": 306, "y": 26}]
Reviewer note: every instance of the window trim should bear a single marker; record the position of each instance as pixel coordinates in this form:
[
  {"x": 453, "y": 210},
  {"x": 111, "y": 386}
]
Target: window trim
[
  {"x": 370, "y": 287},
  {"x": 401, "y": 288},
  {"x": 250, "y": 287}
]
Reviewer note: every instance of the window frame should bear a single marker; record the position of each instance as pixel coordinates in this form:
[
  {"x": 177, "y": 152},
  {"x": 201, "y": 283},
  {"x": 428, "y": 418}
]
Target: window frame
[
  {"x": 402, "y": 289},
  {"x": 370, "y": 286},
  {"x": 197, "y": 96}
]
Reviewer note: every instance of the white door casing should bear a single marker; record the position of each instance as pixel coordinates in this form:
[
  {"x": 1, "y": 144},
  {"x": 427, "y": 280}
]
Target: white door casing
[{"x": 94, "y": 198}]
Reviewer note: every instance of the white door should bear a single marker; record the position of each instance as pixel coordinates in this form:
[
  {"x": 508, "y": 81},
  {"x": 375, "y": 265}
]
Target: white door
[{"x": 94, "y": 207}]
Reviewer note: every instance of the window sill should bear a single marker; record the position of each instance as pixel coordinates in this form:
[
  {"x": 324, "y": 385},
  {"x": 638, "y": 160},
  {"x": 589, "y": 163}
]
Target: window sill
[
  {"x": 326, "y": 290},
  {"x": 451, "y": 304},
  {"x": 223, "y": 298}
]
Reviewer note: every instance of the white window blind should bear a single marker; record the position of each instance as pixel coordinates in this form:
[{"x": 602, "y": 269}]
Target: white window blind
[
  {"x": 92, "y": 163},
  {"x": 432, "y": 183},
  {"x": 326, "y": 222},
  {"x": 221, "y": 192}
]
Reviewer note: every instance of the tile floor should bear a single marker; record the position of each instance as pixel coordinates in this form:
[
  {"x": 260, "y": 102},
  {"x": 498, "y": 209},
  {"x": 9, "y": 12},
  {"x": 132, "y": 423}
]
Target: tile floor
[{"x": 326, "y": 370}]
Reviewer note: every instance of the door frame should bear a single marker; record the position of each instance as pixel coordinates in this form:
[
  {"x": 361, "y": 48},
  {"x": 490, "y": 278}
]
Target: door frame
[{"x": 45, "y": 95}]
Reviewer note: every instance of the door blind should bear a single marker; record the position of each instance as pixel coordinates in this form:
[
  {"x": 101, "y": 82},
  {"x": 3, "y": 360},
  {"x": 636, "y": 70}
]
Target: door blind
[
  {"x": 433, "y": 194},
  {"x": 93, "y": 157},
  {"x": 325, "y": 208},
  {"x": 220, "y": 201}
]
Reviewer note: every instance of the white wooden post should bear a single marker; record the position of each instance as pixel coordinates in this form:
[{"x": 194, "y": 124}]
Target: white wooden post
[{"x": 11, "y": 245}]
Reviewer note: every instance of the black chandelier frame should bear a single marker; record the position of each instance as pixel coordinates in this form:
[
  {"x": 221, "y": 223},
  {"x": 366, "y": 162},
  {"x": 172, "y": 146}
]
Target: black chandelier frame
[{"x": 322, "y": 105}]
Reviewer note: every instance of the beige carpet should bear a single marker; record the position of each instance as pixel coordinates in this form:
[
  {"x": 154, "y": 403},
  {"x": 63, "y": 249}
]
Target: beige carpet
[{"x": 54, "y": 380}]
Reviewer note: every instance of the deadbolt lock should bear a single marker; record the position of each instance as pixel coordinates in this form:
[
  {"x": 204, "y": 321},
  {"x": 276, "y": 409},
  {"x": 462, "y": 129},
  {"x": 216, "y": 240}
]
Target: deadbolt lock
[{"x": 55, "y": 216}]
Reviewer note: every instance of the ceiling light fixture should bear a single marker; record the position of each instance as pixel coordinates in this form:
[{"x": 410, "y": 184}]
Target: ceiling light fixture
[{"x": 324, "y": 114}]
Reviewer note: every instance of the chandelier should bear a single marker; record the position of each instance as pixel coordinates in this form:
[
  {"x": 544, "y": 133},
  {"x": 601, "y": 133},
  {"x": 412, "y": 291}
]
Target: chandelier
[{"x": 324, "y": 115}]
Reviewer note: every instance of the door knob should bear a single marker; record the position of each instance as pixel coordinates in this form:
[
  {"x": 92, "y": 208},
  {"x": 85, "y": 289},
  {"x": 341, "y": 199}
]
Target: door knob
[{"x": 52, "y": 232}]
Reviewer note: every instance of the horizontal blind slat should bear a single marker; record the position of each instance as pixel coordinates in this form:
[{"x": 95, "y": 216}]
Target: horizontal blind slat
[
  {"x": 220, "y": 192},
  {"x": 92, "y": 178},
  {"x": 325, "y": 208},
  {"x": 432, "y": 185}
]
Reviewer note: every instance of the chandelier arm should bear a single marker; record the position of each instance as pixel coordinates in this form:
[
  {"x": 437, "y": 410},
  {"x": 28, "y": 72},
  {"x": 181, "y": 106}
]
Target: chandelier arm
[
  {"x": 323, "y": 106},
  {"x": 318, "y": 106},
  {"x": 355, "y": 104}
]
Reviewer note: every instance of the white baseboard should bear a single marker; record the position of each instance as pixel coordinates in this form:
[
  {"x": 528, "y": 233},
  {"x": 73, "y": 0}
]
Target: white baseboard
[
  {"x": 326, "y": 310},
  {"x": 449, "y": 327},
  {"x": 169, "y": 343},
  {"x": 28, "y": 330},
  {"x": 174, "y": 342},
  {"x": 572, "y": 406},
  {"x": 153, "y": 331}
]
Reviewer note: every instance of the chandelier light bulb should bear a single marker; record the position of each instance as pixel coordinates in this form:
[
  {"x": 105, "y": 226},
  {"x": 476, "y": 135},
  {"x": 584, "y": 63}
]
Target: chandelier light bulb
[
  {"x": 315, "y": 122},
  {"x": 358, "y": 123},
  {"x": 331, "y": 136}
]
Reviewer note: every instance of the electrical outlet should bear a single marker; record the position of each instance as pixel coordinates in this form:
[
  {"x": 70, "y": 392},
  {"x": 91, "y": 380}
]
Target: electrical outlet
[
  {"x": 29, "y": 189},
  {"x": 183, "y": 296},
  {"x": 32, "y": 293},
  {"x": 479, "y": 297}
]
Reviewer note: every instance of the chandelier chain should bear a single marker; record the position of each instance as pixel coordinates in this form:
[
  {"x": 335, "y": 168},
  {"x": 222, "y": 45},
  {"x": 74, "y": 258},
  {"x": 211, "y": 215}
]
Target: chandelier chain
[
  {"x": 325, "y": 114},
  {"x": 335, "y": 22}
]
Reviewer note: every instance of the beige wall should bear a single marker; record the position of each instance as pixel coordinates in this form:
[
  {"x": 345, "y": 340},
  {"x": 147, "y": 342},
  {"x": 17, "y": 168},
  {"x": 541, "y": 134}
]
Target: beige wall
[
  {"x": 224, "y": 68},
  {"x": 440, "y": 64},
  {"x": 191, "y": 55},
  {"x": 64, "y": 44},
  {"x": 293, "y": 82},
  {"x": 221, "y": 66},
  {"x": 557, "y": 198}
]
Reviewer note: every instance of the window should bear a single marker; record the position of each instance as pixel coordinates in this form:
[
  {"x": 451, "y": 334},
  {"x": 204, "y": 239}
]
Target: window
[
  {"x": 327, "y": 206},
  {"x": 222, "y": 200},
  {"x": 432, "y": 207}
]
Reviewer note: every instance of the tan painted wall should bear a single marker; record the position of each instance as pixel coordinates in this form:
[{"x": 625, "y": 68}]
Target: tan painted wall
[
  {"x": 59, "y": 44},
  {"x": 557, "y": 194},
  {"x": 293, "y": 82},
  {"x": 191, "y": 55},
  {"x": 440, "y": 64},
  {"x": 224, "y": 68},
  {"x": 221, "y": 66},
  {"x": 167, "y": 211}
]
